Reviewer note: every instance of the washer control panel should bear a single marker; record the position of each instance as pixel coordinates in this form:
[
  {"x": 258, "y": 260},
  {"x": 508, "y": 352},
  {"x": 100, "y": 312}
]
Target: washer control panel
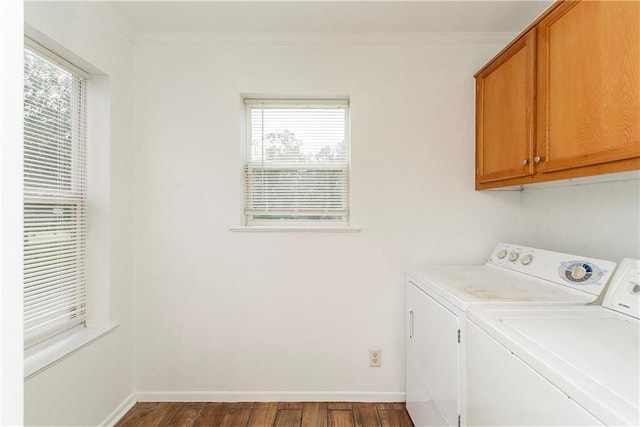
[
  {"x": 586, "y": 274},
  {"x": 623, "y": 294}
]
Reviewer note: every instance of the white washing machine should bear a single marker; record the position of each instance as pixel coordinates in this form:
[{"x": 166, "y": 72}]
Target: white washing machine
[
  {"x": 558, "y": 365},
  {"x": 437, "y": 299}
]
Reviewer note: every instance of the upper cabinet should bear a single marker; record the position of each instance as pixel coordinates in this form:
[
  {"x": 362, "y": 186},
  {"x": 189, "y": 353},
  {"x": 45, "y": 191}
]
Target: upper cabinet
[
  {"x": 505, "y": 122},
  {"x": 589, "y": 84},
  {"x": 563, "y": 99}
]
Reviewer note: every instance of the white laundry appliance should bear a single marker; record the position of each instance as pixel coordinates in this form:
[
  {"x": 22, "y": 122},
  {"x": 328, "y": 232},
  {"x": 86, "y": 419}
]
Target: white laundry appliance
[
  {"x": 437, "y": 299},
  {"x": 558, "y": 365}
]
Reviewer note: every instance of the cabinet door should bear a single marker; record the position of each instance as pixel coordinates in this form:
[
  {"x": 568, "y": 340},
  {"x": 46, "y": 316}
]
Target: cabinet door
[
  {"x": 433, "y": 361},
  {"x": 505, "y": 109},
  {"x": 588, "y": 84}
]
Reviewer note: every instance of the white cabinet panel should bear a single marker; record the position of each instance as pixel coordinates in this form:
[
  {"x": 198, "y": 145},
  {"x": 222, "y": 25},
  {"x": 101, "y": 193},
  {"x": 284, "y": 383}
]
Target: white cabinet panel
[
  {"x": 433, "y": 361},
  {"x": 503, "y": 391}
]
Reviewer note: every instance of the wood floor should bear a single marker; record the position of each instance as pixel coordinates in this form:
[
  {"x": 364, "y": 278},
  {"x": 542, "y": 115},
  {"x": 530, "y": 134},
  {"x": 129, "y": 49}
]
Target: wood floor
[{"x": 267, "y": 414}]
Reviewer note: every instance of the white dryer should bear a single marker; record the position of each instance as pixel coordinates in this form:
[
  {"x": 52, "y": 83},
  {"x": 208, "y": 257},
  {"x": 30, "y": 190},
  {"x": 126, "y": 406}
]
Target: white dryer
[
  {"x": 558, "y": 365},
  {"x": 437, "y": 299}
]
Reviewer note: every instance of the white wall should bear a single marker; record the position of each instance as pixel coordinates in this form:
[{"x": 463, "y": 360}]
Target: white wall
[
  {"x": 85, "y": 387},
  {"x": 218, "y": 311},
  {"x": 598, "y": 220}
]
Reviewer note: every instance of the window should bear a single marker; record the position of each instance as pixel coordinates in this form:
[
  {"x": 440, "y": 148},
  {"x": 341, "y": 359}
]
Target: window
[
  {"x": 55, "y": 195},
  {"x": 297, "y": 162}
]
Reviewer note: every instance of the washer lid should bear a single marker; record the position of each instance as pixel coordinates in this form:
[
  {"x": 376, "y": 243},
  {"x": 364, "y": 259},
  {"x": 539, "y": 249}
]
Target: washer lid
[
  {"x": 590, "y": 353},
  {"x": 604, "y": 349}
]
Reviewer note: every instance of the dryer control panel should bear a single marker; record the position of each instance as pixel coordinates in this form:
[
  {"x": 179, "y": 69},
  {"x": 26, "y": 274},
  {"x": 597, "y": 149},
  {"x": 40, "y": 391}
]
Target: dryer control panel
[
  {"x": 623, "y": 294},
  {"x": 574, "y": 271}
]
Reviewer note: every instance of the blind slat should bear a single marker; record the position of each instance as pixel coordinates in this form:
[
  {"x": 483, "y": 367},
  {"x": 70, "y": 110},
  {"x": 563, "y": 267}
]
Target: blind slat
[
  {"x": 51, "y": 281},
  {"x": 62, "y": 300}
]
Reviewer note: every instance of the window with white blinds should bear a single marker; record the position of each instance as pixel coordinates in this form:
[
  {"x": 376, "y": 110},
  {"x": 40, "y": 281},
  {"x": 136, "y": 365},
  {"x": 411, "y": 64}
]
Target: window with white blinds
[
  {"x": 55, "y": 195},
  {"x": 297, "y": 162}
]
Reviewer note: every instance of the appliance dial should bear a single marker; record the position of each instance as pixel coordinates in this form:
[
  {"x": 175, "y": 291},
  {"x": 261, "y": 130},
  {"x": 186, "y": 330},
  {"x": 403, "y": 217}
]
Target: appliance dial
[
  {"x": 580, "y": 272},
  {"x": 634, "y": 288},
  {"x": 502, "y": 253},
  {"x": 526, "y": 260},
  {"x": 513, "y": 256}
]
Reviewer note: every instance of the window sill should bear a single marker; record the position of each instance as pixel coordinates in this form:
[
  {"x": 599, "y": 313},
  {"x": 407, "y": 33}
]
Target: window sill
[
  {"x": 47, "y": 353},
  {"x": 296, "y": 228}
]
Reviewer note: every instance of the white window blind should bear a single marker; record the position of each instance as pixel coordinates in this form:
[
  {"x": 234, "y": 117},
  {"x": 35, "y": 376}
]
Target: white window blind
[
  {"x": 297, "y": 162},
  {"x": 55, "y": 196}
]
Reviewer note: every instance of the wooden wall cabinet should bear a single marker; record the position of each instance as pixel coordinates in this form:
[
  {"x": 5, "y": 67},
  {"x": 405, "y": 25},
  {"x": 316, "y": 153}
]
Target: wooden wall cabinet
[
  {"x": 505, "y": 122},
  {"x": 580, "y": 115}
]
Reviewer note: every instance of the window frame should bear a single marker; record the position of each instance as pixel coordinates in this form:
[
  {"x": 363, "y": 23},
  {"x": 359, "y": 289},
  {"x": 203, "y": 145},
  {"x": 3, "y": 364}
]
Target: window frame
[
  {"x": 295, "y": 224},
  {"x": 75, "y": 199}
]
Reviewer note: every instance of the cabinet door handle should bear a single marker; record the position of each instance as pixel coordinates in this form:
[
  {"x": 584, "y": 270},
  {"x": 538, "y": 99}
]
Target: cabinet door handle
[
  {"x": 537, "y": 159},
  {"x": 525, "y": 162},
  {"x": 411, "y": 324}
]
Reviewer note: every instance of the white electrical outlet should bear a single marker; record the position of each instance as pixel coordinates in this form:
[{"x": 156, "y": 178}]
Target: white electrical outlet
[{"x": 375, "y": 358}]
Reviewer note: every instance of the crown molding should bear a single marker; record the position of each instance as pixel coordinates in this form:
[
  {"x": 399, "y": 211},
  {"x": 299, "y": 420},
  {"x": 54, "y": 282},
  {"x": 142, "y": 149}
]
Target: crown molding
[{"x": 324, "y": 39}]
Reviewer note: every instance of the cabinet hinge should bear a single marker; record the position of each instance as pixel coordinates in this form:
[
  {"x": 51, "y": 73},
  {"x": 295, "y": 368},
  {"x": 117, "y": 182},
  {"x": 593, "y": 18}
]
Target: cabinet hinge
[
  {"x": 458, "y": 336},
  {"x": 458, "y": 420}
]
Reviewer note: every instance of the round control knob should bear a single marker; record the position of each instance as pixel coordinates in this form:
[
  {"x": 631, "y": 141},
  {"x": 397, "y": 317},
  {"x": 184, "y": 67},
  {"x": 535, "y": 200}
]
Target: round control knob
[
  {"x": 578, "y": 272},
  {"x": 526, "y": 260},
  {"x": 513, "y": 256},
  {"x": 635, "y": 288},
  {"x": 502, "y": 253}
]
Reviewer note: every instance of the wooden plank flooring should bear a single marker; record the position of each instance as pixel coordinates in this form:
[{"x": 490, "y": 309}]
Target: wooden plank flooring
[{"x": 267, "y": 414}]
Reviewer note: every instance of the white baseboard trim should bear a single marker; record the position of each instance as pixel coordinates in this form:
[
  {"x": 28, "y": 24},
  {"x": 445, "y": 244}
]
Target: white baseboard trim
[
  {"x": 119, "y": 412},
  {"x": 268, "y": 396},
  {"x": 247, "y": 396}
]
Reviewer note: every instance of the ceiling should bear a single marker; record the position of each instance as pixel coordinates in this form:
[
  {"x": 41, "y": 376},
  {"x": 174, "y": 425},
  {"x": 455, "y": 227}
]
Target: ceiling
[{"x": 311, "y": 16}]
